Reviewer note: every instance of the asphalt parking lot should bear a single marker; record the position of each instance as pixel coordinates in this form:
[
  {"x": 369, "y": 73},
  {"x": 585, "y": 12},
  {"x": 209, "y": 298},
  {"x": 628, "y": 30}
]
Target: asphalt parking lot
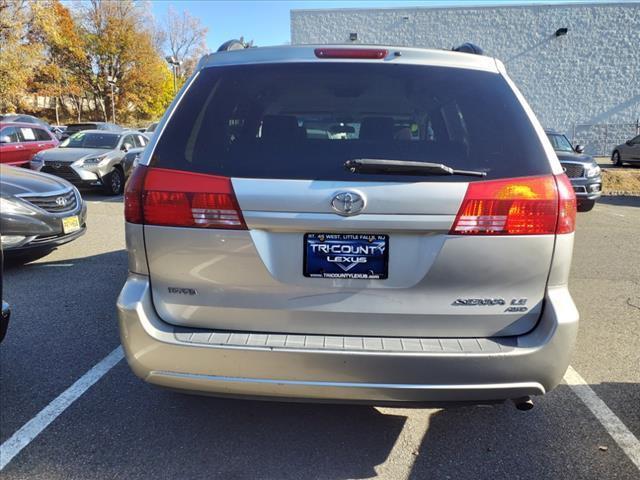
[{"x": 64, "y": 323}]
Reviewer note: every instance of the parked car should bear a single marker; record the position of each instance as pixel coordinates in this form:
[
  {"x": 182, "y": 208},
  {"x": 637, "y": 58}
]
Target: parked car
[
  {"x": 5, "y": 312},
  {"x": 151, "y": 128},
  {"x": 80, "y": 127},
  {"x": 424, "y": 267},
  {"x": 19, "y": 142},
  {"x": 38, "y": 212},
  {"x": 130, "y": 160},
  {"x": 628, "y": 152},
  {"x": 58, "y": 130},
  {"x": 582, "y": 170},
  {"x": 91, "y": 158}
]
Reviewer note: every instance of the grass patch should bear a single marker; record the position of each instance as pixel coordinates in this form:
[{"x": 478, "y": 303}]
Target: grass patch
[{"x": 621, "y": 181}]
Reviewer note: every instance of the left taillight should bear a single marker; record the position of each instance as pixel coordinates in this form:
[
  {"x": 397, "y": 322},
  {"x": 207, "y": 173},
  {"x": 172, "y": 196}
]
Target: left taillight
[
  {"x": 133, "y": 195},
  {"x": 173, "y": 198}
]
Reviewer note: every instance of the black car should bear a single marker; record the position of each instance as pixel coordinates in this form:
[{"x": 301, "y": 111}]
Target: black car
[
  {"x": 5, "y": 313},
  {"x": 130, "y": 160},
  {"x": 582, "y": 170},
  {"x": 79, "y": 127},
  {"x": 38, "y": 212}
]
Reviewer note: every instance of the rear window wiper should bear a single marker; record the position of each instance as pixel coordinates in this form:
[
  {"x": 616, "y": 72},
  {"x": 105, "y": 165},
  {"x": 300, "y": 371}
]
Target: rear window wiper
[{"x": 405, "y": 167}]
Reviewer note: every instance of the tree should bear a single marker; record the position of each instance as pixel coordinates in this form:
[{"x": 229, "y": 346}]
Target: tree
[
  {"x": 61, "y": 75},
  {"x": 120, "y": 44},
  {"x": 19, "y": 56},
  {"x": 185, "y": 39}
]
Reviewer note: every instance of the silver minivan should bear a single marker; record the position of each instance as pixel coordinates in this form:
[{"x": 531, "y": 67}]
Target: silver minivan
[{"x": 350, "y": 224}]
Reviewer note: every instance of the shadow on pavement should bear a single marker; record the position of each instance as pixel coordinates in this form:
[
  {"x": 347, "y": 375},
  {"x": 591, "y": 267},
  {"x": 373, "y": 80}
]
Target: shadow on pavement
[
  {"x": 559, "y": 438},
  {"x": 98, "y": 196},
  {"x": 620, "y": 201}
]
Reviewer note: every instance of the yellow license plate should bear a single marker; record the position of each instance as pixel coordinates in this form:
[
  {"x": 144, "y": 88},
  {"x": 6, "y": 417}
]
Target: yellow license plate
[{"x": 70, "y": 224}]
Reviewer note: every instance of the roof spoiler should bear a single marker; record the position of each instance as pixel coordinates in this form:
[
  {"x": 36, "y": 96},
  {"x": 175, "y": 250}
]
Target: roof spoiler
[
  {"x": 469, "y": 47},
  {"x": 232, "y": 44}
]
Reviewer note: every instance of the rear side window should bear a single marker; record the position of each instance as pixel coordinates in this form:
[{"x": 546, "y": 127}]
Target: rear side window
[
  {"x": 28, "y": 134},
  {"x": 304, "y": 120},
  {"x": 41, "y": 135}
]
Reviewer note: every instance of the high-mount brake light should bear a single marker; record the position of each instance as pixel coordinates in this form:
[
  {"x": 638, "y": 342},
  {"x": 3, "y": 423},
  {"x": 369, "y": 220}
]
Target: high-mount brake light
[
  {"x": 517, "y": 206},
  {"x": 182, "y": 199},
  {"x": 362, "y": 53}
]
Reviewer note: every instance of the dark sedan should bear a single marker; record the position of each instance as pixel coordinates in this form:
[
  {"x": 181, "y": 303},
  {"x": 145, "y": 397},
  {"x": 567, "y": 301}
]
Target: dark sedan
[
  {"x": 628, "y": 152},
  {"x": 582, "y": 170},
  {"x": 130, "y": 160},
  {"x": 38, "y": 212}
]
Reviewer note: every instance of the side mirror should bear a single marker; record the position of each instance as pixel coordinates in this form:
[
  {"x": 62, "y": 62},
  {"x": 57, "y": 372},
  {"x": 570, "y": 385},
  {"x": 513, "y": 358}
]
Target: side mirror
[
  {"x": 126, "y": 147},
  {"x": 628, "y": 142},
  {"x": 579, "y": 148},
  {"x": 5, "y": 139}
]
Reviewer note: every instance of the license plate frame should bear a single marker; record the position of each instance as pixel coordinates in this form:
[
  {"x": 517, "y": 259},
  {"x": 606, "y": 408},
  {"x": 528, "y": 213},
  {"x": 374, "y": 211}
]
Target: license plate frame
[
  {"x": 70, "y": 224},
  {"x": 369, "y": 260}
]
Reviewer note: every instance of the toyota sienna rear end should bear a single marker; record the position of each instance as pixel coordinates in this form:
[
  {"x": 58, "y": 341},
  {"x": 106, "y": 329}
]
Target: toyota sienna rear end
[{"x": 369, "y": 224}]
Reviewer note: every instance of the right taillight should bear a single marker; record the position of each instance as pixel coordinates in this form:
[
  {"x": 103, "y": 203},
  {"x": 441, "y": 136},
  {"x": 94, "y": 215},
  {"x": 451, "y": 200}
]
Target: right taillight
[
  {"x": 567, "y": 205},
  {"x": 158, "y": 196},
  {"x": 517, "y": 206}
]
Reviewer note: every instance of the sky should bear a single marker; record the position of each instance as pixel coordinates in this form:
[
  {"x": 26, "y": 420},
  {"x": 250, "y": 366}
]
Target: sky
[{"x": 267, "y": 22}]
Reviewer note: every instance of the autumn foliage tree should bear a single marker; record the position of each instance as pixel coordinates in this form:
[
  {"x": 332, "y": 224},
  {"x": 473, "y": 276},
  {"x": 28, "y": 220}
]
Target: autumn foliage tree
[
  {"x": 50, "y": 51},
  {"x": 19, "y": 56}
]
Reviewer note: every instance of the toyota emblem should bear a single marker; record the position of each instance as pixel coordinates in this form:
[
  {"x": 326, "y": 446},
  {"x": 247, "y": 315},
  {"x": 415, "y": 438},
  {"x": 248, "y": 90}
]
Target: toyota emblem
[{"x": 347, "y": 203}]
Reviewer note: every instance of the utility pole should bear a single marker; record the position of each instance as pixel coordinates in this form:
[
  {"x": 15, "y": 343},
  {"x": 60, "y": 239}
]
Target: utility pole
[
  {"x": 112, "y": 83},
  {"x": 175, "y": 64}
]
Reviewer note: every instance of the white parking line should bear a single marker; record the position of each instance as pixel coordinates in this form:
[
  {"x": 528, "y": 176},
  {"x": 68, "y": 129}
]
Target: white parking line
[
  {"x": 30, "y": 430},
  {"x": 618, "y": 430}
]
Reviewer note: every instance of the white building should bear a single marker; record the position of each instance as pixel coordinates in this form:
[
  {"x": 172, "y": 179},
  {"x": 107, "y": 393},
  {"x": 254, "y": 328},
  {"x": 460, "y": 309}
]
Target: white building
[{"x": 585, "y": 83}]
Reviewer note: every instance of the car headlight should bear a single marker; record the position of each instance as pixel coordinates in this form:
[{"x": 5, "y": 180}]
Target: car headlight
[
  {"x": 13, "y": 207},
  {"x": 592, "y": 171},
  {"x": 94, "y": 160},
  {"x": 37, "y": 158}
]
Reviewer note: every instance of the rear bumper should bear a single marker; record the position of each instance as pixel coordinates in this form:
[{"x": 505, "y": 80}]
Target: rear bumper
[{"x": 336, "y": 369}]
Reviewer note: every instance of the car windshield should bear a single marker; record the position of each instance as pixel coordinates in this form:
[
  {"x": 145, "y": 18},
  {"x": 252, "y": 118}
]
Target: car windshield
[
  {"x": 560, "y": 142},
  {"x": 91, "y": 140}
]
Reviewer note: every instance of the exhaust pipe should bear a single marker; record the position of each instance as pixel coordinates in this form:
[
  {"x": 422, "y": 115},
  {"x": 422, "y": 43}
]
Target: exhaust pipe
[{"x": 523, "y": 404}]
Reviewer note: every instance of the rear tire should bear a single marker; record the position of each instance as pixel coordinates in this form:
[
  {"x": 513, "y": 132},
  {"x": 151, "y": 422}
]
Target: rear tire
[
  {"x": 616, "y": 159},
  {"x": 586, "y": 205},
  {"x": 113, "y": 183}
]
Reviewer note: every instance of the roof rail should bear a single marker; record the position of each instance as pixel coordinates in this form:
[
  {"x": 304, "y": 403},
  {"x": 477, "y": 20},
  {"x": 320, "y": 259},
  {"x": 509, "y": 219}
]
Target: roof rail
[{"x": 469, "y": 47}]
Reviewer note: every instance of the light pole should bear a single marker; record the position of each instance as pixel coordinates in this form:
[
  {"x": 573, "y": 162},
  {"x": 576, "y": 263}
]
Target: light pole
[
  {"x": 175, "y": 63},
  {"x": 112, "y": 82}
]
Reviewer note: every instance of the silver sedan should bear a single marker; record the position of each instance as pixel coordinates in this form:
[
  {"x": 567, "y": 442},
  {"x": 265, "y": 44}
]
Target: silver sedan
[{"x": 91, "y": 158}]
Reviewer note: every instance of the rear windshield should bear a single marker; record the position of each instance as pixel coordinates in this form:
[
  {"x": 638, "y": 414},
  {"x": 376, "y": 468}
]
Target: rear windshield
[{"x": 305, "y": 120}]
